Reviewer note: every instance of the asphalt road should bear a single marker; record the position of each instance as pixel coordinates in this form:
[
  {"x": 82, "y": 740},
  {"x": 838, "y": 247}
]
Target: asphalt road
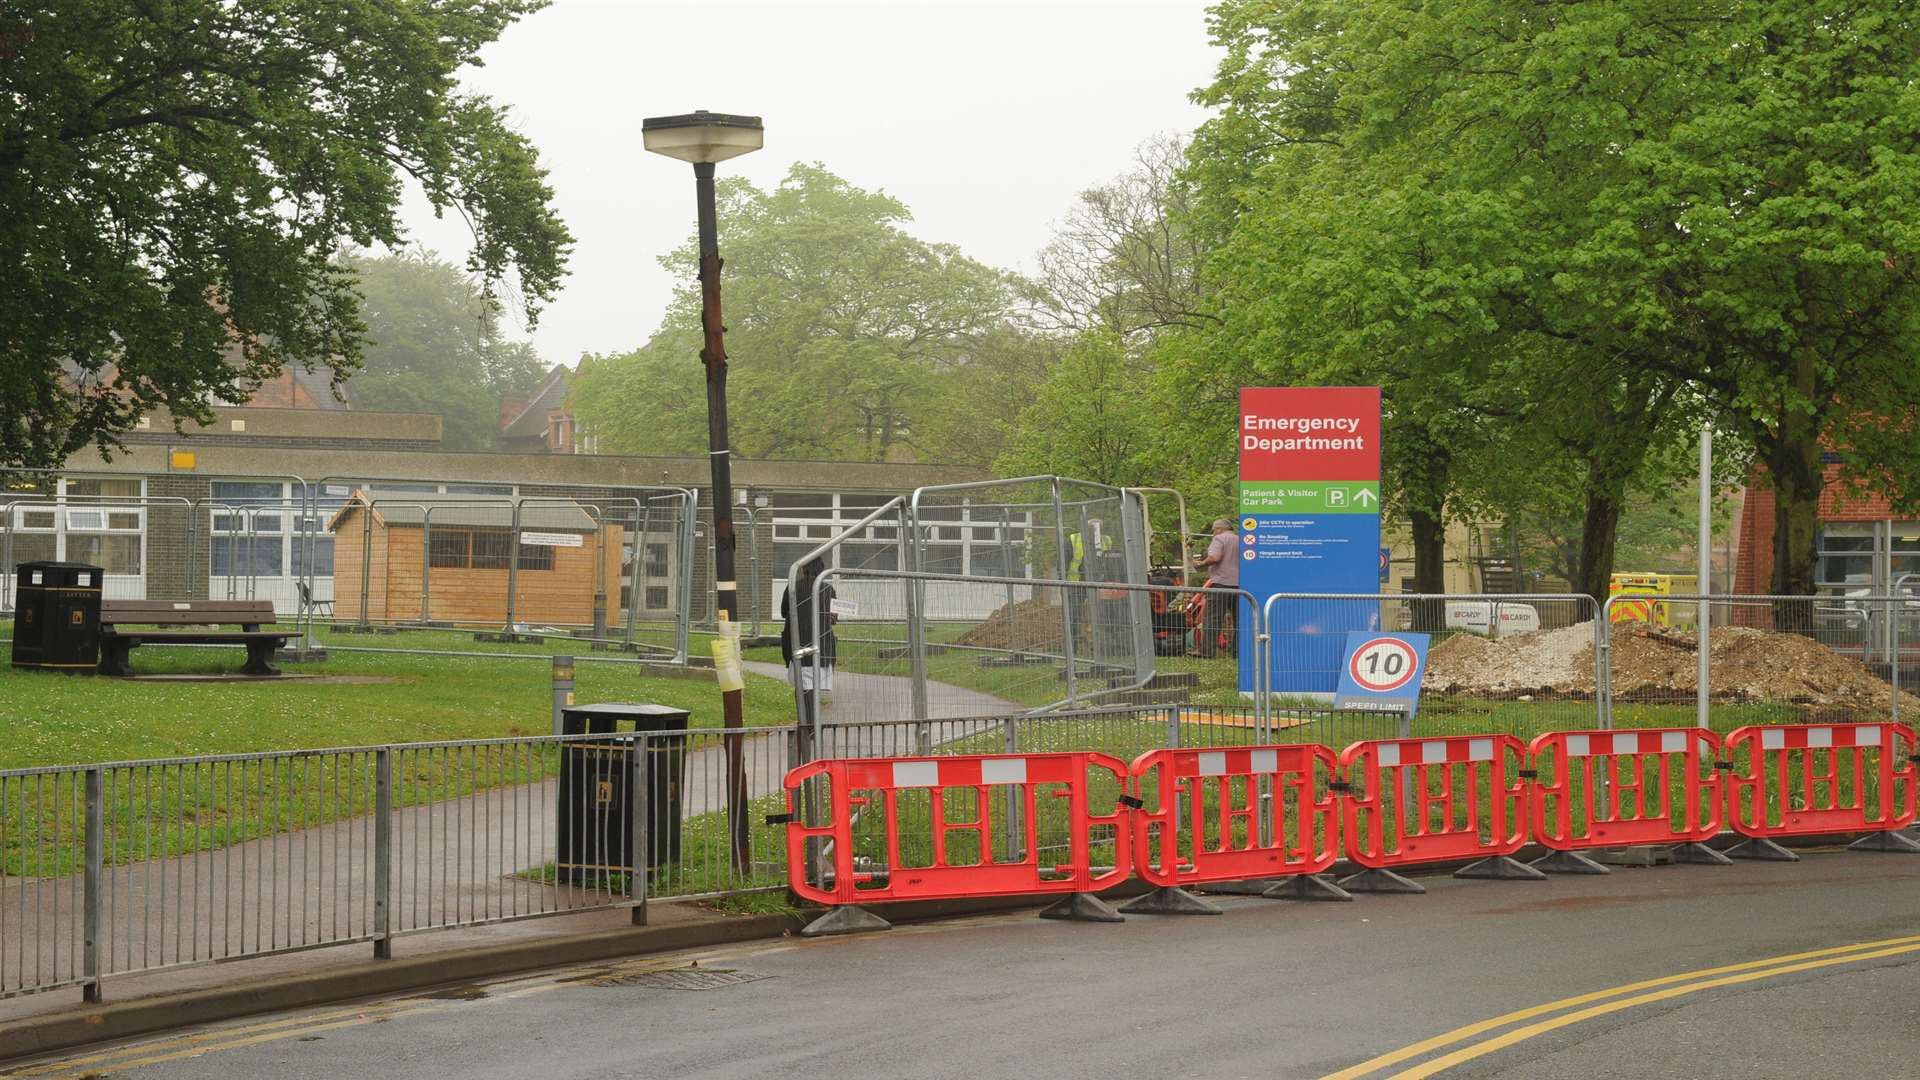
[{"x": 1758, "y": 970}]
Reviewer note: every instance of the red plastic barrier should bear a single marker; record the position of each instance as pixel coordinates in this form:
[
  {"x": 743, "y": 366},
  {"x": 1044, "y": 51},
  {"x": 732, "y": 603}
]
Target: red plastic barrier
[
  {"x": 1800, "y": 779},
  {"x": 1418, "y": 800},
  {"x": 1178, "y": 839},
  {"x": 879, "y": 877},
  {"x": 1615, "y": 788}
]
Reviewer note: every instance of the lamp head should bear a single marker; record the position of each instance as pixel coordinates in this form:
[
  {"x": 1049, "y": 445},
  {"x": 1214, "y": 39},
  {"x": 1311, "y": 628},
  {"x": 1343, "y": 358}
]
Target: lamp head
[{"x": 702, "y": 137}]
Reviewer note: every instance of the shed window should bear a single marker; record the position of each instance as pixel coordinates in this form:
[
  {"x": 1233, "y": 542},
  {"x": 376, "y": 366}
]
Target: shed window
[
  {"x": 483, "y": 549},
  {"x": 449, "y": 549}
]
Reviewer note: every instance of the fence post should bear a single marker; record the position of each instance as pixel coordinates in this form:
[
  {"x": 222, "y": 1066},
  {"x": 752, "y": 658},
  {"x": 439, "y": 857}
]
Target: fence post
[
  {"x": 90, "y": 956},
  {"x": 426, "y": 566},
  {"x": 366, "y": 562},
  {"x": 562, "y": 691},
  {"x": 640, "y": 863},
  {"x": 1603, "y": 665},
  {"x": 513, "y": 568},
  {"x": 382, "y": 852},
  {"x": 916, "y": 612},
  {"x": 1007, "y": 568},
  {"x": 754, "y": 575},
  {"x": 1893, "y": 655},
  {"x": 1016, "y": 830},
  {"x": 1065, "y": 555},
  {"x": 632, "y": 555}
]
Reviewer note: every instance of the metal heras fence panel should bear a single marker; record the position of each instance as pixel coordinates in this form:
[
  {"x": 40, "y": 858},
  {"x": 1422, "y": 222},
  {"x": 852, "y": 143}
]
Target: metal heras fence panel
[
  {"x": 460, "y": 567},
  {"x": 913, "y": 644},
  {"x": 1037, "y": 526},
  {"x": 1506, "y": 664},
  {"x": 1843, "y": 657}
]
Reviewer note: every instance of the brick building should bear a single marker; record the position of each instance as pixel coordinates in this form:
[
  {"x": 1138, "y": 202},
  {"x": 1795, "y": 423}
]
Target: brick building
[{"x": 1863, "y": 543}]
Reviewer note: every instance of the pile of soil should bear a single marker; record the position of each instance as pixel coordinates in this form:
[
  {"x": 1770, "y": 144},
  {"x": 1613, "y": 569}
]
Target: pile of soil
[
  {"x": 1034, "y": 624},
  {"x": 1747, "y": 665},
  {"x": 1544, "y": 661}
]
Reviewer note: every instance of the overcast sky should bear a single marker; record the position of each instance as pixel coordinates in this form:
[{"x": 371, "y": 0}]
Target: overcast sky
[{"x": 984, "y": 118}]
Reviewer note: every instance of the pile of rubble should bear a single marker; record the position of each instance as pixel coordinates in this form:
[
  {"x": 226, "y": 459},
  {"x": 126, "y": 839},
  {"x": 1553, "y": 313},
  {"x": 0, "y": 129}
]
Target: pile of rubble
[{"x": 1746, "y": 664}]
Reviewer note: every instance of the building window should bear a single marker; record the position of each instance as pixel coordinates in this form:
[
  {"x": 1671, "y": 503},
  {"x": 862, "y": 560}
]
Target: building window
[
  {"x": 483, "y": 549},
  {"x": 1846, "y": 555},
  {"x": 242, "y": 556},
  {"x": 1906, "y": 554},
  {"x": 80, "y": 523}
]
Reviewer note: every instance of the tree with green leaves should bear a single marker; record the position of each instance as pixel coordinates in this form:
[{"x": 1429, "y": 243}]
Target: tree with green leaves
[
  {"x": 1090, "y": 419},
  {"x": 844, "y": 331},
  {"x": 180, "y": 179},
  {"x": 434, "y": 345},
  {"x": 1703, "y": 208}
]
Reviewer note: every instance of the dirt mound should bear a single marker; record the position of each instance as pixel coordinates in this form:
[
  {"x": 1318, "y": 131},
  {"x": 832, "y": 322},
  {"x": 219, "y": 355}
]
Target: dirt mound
[
  {"x": 1747, "y": 665},
  {"x": 1554, "y": 661},
  {"x": 1032, "y": 624}
]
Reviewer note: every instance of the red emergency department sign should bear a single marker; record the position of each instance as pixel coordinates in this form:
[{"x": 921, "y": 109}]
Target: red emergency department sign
[{"x": 1310, "y": 433}]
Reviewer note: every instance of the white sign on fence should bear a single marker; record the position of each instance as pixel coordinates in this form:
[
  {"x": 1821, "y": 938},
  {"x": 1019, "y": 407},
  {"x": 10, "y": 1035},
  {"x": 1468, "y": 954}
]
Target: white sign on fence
[
  {"x": 540, "y": 539},
  {"x": 846, "y": 609}
]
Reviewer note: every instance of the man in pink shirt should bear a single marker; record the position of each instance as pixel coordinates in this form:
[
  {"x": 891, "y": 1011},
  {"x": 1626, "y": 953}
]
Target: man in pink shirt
[{"x": 1222, "y": 564}]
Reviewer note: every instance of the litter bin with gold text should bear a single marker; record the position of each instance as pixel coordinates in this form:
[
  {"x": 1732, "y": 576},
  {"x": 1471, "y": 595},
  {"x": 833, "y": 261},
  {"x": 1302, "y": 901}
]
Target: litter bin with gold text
[
  {"x": 56, "y": 622},
  {"x": 596, "y": 796}
]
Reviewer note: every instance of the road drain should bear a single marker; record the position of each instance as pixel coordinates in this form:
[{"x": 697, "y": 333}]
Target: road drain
[{"x": 686, "y": 978}]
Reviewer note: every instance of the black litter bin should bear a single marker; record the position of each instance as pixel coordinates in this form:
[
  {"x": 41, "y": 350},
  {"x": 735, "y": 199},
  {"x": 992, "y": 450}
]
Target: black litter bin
[
  {"x": 596, "y": 799},
  {"x": 56, "y": 622}
]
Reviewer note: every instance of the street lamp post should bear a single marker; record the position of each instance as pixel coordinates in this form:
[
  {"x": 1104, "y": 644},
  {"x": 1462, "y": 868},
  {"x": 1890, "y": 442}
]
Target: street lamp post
[{"x": 705, "y": 138}]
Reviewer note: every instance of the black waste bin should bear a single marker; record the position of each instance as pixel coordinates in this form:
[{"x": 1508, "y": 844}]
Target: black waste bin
[
  {"x": 56, "y": 623},
  {"x": 596, "y": 799}
]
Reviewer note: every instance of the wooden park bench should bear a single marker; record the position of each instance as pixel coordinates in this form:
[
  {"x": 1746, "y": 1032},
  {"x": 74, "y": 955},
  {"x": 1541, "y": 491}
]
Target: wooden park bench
[{"x": 181, "y": 622}]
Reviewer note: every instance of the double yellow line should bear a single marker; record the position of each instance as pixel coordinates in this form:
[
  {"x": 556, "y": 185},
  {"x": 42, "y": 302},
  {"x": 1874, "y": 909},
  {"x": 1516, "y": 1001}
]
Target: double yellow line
[{"x": 1598, "y": 1004}]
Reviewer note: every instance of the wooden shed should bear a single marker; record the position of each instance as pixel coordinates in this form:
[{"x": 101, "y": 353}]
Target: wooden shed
[{"x": 458, "y": 551}]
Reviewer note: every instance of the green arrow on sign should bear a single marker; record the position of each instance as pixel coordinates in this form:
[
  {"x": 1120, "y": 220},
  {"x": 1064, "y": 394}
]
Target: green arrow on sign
[{"x": 1365, "y": 496}]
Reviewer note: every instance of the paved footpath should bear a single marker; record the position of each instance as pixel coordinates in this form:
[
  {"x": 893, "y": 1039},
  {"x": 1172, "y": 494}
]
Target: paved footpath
[
  {"x": 1757, "y": 970},
  {"x": 455, "y": 861}
]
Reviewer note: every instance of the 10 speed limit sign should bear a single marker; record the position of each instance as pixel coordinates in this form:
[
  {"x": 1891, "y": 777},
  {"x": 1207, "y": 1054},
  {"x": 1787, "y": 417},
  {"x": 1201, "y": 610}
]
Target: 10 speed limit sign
[
  {"x": 1382, "y": 672},
  {"x": 1383, "y": 664}
]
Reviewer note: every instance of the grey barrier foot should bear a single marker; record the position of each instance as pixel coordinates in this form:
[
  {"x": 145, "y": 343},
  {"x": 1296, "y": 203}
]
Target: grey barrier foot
[
  {"x": 1886, "y": 841},
  {"x": 1307, "y": 887},
  {"x": 1568, "y": 862},
  {"x": 1168, "y": 900},
  {"x": 1379, "y": 880},
  {"x": 1700, "y": 854},
  {"x": 1500, "y": 868},
  {"x": 1762, "y": 849},
  {"x": 1081, "y": 907},
  {"x": 851, "y": 919},
  {"x": 1253, "y": 887}
]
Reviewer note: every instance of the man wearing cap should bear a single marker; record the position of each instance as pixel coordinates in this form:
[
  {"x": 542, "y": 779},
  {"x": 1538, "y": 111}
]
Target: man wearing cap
[{"x": 1222, "y": 564}]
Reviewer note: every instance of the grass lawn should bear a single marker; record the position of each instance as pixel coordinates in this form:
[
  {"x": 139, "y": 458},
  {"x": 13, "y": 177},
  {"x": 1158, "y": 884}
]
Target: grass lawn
[{"x": 53, "y": 719}]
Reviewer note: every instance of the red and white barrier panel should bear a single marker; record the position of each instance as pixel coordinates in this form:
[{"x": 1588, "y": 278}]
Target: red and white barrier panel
[
  {"x": 1235, "y": 814},
  {"x": 1595, "y": 789},
  {"x": 866, "y": 865},
  {"x": 1415, "y": 801},
  {"x": 1808, "y": 779}
]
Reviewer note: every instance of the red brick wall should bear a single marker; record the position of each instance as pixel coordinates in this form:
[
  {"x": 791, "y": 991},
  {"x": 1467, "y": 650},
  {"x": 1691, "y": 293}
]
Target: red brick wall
[{"x": 1753, "y": 565}]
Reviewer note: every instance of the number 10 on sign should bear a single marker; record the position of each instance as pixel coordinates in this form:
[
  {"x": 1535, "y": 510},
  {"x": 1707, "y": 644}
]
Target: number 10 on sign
[{"x": 1382, "y": 672}]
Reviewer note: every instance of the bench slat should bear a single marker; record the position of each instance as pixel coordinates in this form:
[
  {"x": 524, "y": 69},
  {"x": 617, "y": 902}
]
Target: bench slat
[
  {"x": 187, "y": 612},
  {"x": 216, "y": 637}
]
